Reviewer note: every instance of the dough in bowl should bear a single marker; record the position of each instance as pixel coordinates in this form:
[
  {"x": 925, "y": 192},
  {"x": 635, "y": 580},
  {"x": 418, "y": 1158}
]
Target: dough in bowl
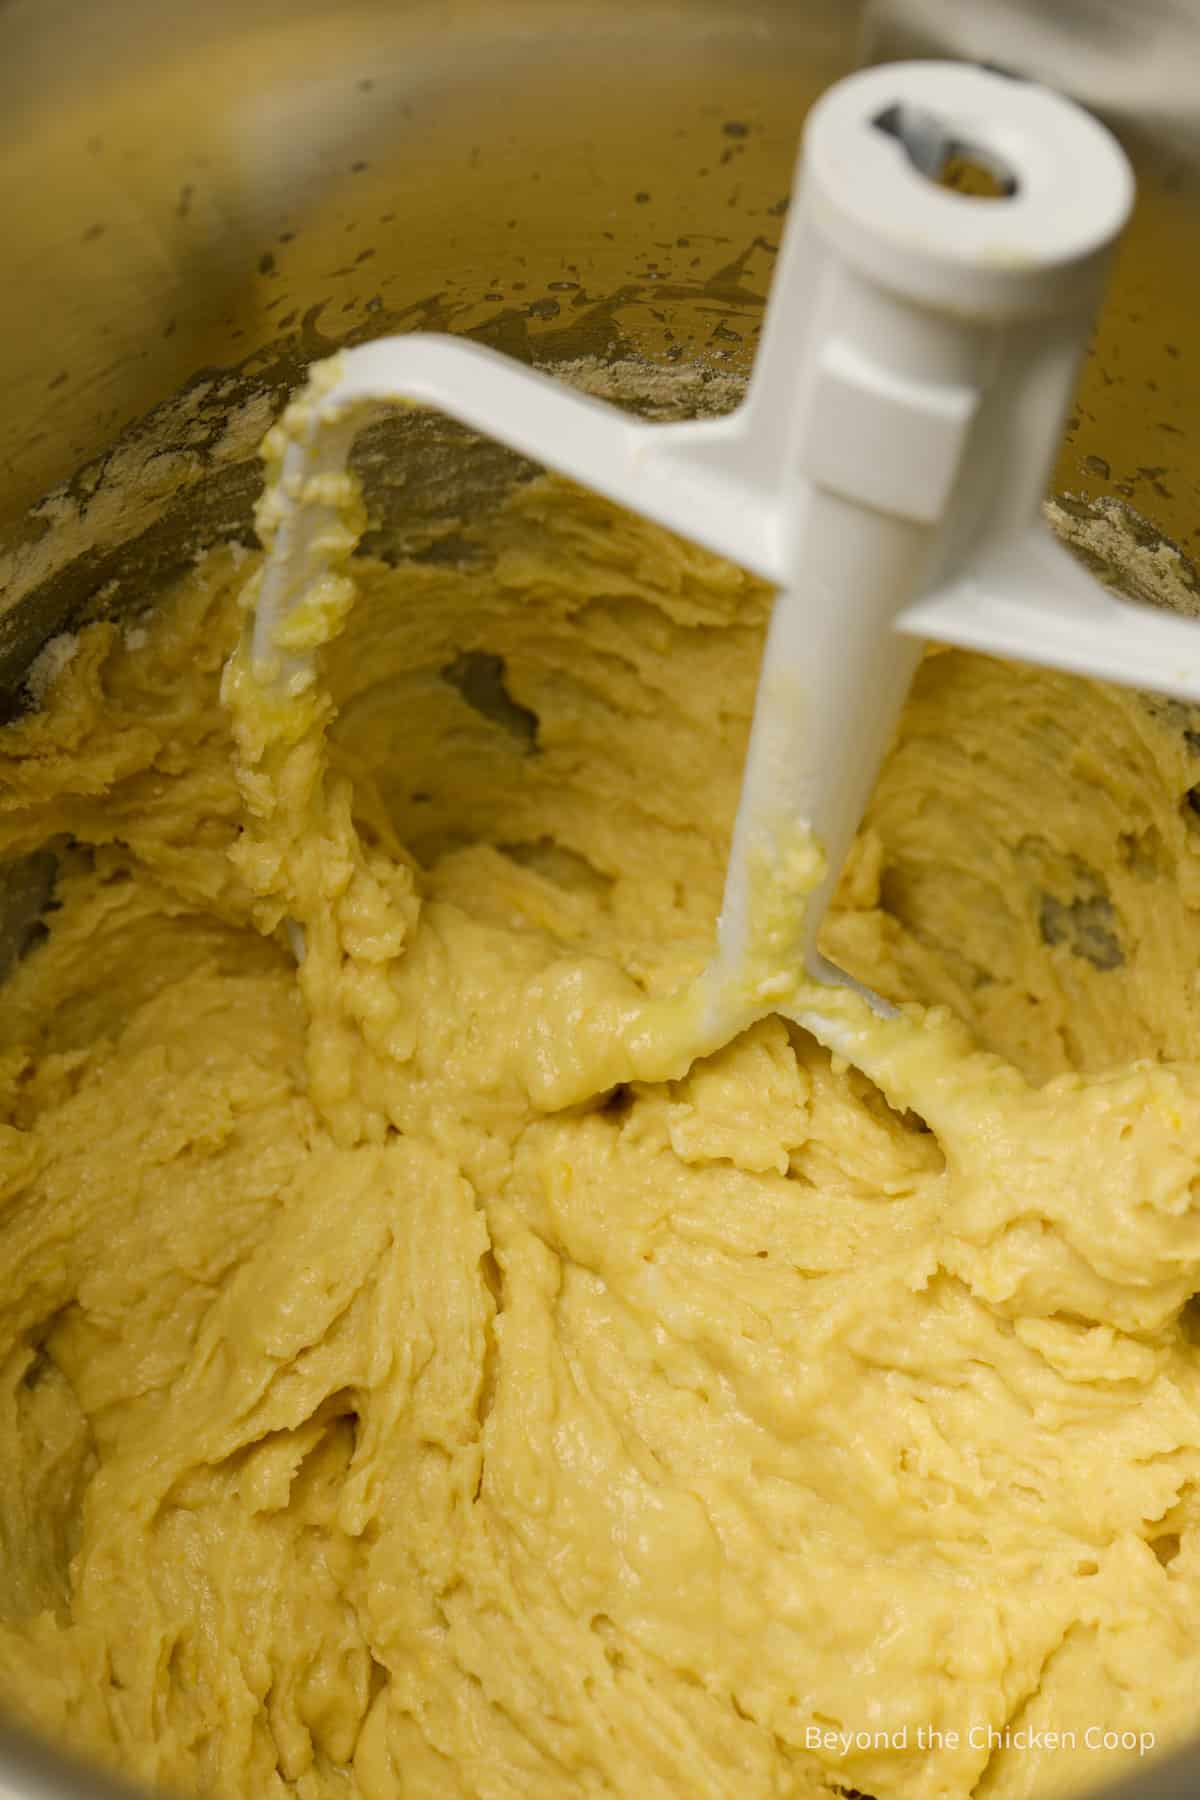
[{"x": 369, "y": 1430}]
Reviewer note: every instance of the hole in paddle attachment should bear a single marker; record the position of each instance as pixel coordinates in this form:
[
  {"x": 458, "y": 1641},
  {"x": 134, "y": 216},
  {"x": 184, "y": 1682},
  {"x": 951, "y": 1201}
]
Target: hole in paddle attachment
[{"x": 937, "y": 152}]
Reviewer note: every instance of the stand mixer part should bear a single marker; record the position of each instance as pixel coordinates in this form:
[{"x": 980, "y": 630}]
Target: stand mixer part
[{"x": 885, "y": 473}]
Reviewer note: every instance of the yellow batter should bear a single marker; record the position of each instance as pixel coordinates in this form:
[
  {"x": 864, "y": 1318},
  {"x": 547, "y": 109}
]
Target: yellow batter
[{"x": 367, "y": 1429}]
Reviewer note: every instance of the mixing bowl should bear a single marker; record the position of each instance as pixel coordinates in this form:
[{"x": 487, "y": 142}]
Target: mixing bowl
[{"x": 200, "y": 200}]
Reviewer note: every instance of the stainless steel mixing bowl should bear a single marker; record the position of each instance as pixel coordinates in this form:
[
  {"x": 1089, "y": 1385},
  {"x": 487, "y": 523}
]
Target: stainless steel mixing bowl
[{"x": 199, "y": 199}]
